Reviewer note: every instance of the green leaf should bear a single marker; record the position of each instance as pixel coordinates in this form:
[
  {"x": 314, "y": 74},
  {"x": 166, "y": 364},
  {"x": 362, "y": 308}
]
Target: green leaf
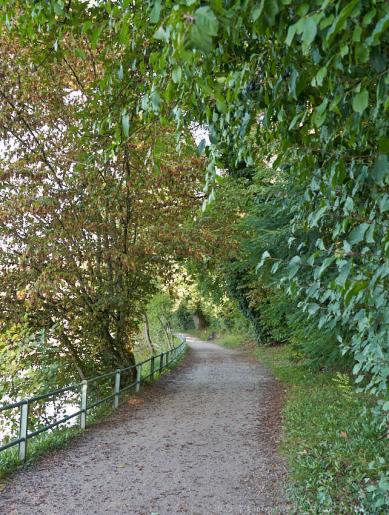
[
  {"x": 257, "y": 11},
  {"x": 155, "y": 100},
  {"x": 176, "y": 74},
  {"x": 291, "y": 33},
  {"x": 380, "y": 169},
  {"x": 319, "y": 114},
  {"x": 302, "y": 9},
  {"x": 126, "y": 124},
  {"x": 383, "y": 203},
  {"x": 293, "y": 266},
  {"x": 361, "y": 101},
  {"x": 316, "y": 216},
  {"x": 206, "y": 20},
  {"x": 320, "y": 76},
  {"x": 340, "y": 21},
  {"x": 354, "y": 290},
  {"x": 204, "y": 29},
  {"x": 326, "y": 263},
  {"x": 265, "y": 256},
  {"x": 95, "y": 36},
  {"x": 309, "y": 27},
  {"x": 379, "y": 29},
  {"x": 349, "y": 205},
  {"x": 155, "y": 12},
  {"x": 201, "y": 146},
  {"x": 292, "y": 82},
  {"x": 343, "y": 273},
  {"x": 162, "y": 34},
  {"x": 358, "y": 233},
  {"x": 313, "y": 308}
]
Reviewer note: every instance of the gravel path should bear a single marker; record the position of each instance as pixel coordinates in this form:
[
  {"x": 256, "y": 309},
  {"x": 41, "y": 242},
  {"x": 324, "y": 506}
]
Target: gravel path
[{"x": 200, "y": 441}]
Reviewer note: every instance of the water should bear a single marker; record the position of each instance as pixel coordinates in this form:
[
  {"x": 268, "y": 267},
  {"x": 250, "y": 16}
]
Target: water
[{"x": 41, "y": 413}]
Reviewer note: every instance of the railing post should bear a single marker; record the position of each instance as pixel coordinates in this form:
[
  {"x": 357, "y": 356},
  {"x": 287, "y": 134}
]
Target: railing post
[
  {"x": 138, "y": 376},
  {"x": 116, "y": 389},
  {"x": 83, "y": 403},
  {"x": 23, "y": 431},
  {"x": 161, "y": 363},
  {"x": 152, "y": 366}
]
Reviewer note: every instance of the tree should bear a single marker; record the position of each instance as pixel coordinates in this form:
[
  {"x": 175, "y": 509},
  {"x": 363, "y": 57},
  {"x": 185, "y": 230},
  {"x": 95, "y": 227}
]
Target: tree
[{"x": 87, "y": 233}]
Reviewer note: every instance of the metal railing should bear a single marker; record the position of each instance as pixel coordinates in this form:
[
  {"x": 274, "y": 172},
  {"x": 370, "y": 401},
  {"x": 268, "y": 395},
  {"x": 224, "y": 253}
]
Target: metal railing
[{"x": 157, "y": 364}]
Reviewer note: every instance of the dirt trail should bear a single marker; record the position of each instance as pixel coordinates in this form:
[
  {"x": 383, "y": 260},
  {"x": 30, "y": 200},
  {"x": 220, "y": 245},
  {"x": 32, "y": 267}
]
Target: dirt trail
[{"x": 201, "y": 441}]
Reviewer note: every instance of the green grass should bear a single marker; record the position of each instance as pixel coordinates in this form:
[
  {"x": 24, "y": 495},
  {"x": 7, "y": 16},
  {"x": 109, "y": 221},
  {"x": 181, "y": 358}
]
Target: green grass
[{"x": 336, "y": 453}]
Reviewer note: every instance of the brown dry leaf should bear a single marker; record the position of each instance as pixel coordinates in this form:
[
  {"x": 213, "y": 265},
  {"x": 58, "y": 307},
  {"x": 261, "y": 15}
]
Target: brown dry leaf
[
  {"x": 135, "y": 402},
  {"x": 343, "y": 434}
]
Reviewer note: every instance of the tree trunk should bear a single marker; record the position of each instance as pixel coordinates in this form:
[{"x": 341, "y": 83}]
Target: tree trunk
[{"x": 147, "y": 334}]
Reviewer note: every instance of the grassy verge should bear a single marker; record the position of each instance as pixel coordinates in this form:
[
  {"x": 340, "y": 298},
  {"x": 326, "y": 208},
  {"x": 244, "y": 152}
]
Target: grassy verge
[{"x": 337, "y": 454}]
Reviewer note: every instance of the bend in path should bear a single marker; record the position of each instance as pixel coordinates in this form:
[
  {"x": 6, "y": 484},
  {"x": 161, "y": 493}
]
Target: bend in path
[{"x": 203, "y": 440}]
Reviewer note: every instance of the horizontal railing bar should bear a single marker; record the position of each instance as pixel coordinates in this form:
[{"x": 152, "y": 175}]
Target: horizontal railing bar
[
  {"x": 97, "y": 403},
  {"x": 11, "y": 444},
  {"x": 127, "y": 387},
  {"x": 50, "y": 426},
  {"x": 54, "y": 392},
  {"x": 143, "y": 362},
  {"x": 104, "y": 376},
  {"x": 127, "y": 368},
  {"x": 11, "y": 406}
]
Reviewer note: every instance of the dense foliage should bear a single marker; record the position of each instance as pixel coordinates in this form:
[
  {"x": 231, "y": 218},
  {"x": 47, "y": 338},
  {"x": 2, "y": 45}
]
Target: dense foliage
[
  {"x": 294, "y": 95},
  {"x": 303, "y": 86},
  {"x": 91, "y": 220}
]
